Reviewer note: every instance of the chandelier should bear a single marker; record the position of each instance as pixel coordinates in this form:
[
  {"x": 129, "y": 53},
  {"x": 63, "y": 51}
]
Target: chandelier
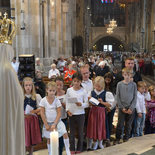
[
  {"x": 109, "y": 30},
  {"x": 113, "y": 23}
]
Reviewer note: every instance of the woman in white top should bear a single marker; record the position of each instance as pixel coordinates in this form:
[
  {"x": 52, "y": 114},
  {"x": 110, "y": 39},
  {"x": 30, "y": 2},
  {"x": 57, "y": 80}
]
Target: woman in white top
[
  {"x": 76, "y": 102},
  {"x": 53, "y": 73}
]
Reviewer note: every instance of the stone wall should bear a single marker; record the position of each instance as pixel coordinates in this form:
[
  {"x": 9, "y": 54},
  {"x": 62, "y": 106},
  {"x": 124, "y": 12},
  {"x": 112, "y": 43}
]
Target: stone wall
[
  {"x": 49, "y": 27},
  {"x": 141, "y": 24}
]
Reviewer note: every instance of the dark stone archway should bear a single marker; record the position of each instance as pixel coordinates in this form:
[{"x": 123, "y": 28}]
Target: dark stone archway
[{"x": 109, "y": 40}]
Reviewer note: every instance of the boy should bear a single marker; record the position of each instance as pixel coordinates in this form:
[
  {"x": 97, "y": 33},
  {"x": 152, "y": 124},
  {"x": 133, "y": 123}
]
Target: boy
[
  {"x": 140, "y": 108},
  {"x": 126, "y": 95}
]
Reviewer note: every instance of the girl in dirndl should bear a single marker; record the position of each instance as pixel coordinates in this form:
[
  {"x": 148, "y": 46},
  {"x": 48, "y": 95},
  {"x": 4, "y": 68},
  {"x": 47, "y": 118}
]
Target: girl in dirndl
[
  {"x": 31, "y": 112},
  {"x": 97, "y": 124},
  {"x": 150, "y": 115}
]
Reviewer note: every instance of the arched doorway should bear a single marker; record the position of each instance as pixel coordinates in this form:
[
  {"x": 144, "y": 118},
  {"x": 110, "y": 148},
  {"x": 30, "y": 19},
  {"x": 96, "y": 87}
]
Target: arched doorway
[{"x": 109, "y": 43}]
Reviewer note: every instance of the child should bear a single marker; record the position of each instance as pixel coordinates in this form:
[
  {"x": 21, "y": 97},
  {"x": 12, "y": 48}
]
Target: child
[
  {"x": 31, "y": 102},
  {"x": 140, "y": 108},
  {"x": 97, "y": 124},
  {"x": 60, "y": 94},
  {"x": 76, "y": 111},
  {"x": 50, "y": 114},
  {"x": 150, "y": 116},
  {"x": 108, "y": 77},
  {"x": 126, "y": 95}
]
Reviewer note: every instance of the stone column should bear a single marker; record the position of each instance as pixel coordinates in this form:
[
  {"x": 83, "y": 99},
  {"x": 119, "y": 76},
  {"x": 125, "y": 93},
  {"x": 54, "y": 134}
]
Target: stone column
[
  {"x": 53, "y": 39},
  {"x": 65, "y": 7},
  {"x": 153, "y": 25},
  {"x": 143, "y": 32},
  {"x": 59, "y": 28}
]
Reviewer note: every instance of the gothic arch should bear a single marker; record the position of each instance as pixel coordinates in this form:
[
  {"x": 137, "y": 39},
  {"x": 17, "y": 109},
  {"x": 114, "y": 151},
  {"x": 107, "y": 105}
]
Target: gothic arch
[{"x": 117, "y": 37}]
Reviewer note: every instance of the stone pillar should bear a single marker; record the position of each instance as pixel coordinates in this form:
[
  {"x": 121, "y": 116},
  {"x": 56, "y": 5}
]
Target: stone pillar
[
  {"x": 59, "y": 28},
  {"x": 53, "y": 48},
  {"x": 65, "y": 7},
  {"x": 153, "y": 25}
]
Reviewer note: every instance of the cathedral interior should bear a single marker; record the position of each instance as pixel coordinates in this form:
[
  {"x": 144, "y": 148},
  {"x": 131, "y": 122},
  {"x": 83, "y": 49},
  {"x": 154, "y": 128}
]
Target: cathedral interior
[
  {"x": 50, "y": 29},
  {"x": 54, "y": 28}
]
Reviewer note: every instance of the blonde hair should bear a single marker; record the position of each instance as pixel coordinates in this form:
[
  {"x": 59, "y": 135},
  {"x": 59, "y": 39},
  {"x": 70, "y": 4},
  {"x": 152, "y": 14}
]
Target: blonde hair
[
  {"x": 51, "y": 85},
  {"x": 152, "y": 87},
  {"x": 33, "y": 92},
  {"x": 100, "y": 80},
  {"x": 53, "y": 65},
  {"x": 126, "y": 70},
  {"x": 141, "y": 84}
]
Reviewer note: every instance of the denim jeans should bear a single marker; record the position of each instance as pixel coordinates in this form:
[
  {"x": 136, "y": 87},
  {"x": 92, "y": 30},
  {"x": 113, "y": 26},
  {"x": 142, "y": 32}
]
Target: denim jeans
[{"x": 140, "y": 125}]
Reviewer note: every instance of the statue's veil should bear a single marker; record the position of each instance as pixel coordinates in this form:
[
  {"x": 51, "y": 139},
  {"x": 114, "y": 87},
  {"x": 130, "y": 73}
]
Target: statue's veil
[{"x": 12, "y": 135}]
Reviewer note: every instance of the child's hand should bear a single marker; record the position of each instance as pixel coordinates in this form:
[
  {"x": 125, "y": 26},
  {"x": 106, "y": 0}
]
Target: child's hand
[
  {"x": 129, "y": 111},
  {"x": 89, "y": 98},
  {"x": 53, "y": 127},
  {"x": 124, "y": 110},
  {"x": 100, "y": 100},
  {"x": 64, "y": 105},
  {"x": 69, "y": 113},
  {"x": 33, "y": 111},
  {"x": 108, "y": 109},
  {"x": 140, "y": 115},
  {"x": 47, "y": 127},
  {"x": 78, "y": 104}
]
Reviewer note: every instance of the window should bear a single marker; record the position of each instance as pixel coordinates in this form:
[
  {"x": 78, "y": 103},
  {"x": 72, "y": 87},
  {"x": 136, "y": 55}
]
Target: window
[
  {"x": 107, "y": 1},
  {"x": 107, "y": 48}
]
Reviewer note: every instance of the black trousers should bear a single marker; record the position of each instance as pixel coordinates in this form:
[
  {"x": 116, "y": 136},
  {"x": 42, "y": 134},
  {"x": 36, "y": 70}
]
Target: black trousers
[
  {"x": 124, "y": 121},
  {"x": 76, "y": 122}
]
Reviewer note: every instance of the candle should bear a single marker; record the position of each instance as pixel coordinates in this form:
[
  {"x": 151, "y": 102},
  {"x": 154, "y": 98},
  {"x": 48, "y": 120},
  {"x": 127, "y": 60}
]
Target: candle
[
  {"x": 0, "y": 14},
  {"x": 54, "y": 142}
]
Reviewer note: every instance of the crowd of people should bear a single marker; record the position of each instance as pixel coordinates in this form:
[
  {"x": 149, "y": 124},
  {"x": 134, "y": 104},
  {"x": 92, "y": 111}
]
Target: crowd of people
[{"x": 80, "y": 99}]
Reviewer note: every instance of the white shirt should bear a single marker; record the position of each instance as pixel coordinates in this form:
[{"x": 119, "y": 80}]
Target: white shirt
[
  {"x": 15, "y": 66},
  {"x": 81, "y": 96},
  {"x": 88, "y": 86},
  {"x": 50, "y": 109},
  {"x": 61, "y": 64},
  {"x": 140, "y": 105},
  {"x": 53, "y": 72}
]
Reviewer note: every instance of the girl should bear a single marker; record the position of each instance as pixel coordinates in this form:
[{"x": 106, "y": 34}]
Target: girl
[
  {"x": 50, "y": 114},
  {"x": 110, "y": 111},
  {"x": 96, "y": 129},
  {"x": 31, "y": 102},
  {"x": 150, "y": 116},
  {"x": 60, "y": 94},
  {"x": 76, "y": 102}
]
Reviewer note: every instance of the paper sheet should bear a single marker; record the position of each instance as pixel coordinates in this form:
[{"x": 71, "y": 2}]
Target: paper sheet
[
  {"x": 72, "y": 99},
  {"x": 94, "y": 101},
  {"x": 71, "y": 106},
  {"x": 28, "y": 109}
]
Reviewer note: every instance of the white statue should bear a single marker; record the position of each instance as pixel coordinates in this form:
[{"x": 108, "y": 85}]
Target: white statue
[{"x": 12, "y": 133}]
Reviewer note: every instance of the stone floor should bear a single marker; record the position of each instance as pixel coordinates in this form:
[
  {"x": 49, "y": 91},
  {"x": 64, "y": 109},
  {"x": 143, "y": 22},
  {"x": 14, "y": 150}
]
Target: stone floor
[
  {"x": 144, "y": 145},
  {"x": 140, "y": 146}
]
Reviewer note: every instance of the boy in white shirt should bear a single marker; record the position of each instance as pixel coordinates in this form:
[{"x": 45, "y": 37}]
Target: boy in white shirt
[{"x": 140, "y": 108}]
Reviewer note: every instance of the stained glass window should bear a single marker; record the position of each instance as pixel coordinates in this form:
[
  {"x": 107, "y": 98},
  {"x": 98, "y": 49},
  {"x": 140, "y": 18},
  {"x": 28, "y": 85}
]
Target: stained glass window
[{"x": 107, "y": 1}]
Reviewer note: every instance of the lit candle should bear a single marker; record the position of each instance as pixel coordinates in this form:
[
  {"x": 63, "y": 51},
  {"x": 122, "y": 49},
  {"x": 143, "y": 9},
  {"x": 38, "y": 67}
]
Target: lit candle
[{"x": 54, "y": 142}]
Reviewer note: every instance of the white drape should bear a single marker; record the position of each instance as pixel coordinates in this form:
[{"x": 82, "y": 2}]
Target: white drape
[{"x": 12, "y": 133}]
